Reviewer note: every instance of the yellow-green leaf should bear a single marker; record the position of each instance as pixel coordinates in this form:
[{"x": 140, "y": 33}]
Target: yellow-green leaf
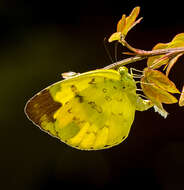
[
  {"x": 178, "y": 41},
  {"x": 115, "y": 36},
  {"x": 181, "y": 100},
  {"x": 156, "y": 86},
  {"x": 160, "y": 80},
  {"x": 156, "y": 61},
  {"x": 152, "y": 59},
  {"x": 130, "y": 20},
  {"x": 172, "y": 62},
  {"x": 125, "y": 24},
  {"x": 121, "y": 24},
  {"x": 156, "y": 94}
]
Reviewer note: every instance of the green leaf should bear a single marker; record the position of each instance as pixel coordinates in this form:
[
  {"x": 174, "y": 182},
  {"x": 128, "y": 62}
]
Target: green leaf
[
  {"x": 159, "y": 60},
  {"x": 151, "y": 60},
  {"x": 181, "y": 100},
  {"x": 157, "y": 87},
  {"x": 115, "y": 36},
  {"x": 130, "y": 20},
  {"x": 125, "y": 24}
]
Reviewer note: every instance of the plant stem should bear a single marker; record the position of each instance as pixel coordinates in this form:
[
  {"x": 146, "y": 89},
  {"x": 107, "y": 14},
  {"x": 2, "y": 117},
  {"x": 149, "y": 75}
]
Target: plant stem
[
  {"x": 125, "y": 62},
  {"x": 142, "y": 54}
]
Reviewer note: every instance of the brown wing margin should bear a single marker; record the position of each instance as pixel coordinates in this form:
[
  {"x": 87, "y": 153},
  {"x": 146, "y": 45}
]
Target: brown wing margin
[{"x": 41, "y": 104}]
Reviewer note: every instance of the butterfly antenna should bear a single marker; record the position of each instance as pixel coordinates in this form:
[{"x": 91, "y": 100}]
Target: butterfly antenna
[
  {"x": 116, "y": 51},
  {"x": 136, "y": 70},
  {"x": 107, "y": 50}
]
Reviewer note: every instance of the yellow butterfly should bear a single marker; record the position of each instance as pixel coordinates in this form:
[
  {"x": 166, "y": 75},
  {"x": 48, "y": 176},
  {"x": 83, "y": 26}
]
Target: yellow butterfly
[{"x": 89, "y": 111}]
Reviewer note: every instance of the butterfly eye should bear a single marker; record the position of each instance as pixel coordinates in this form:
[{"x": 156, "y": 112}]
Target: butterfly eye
[{"x": 123, "y": 70}]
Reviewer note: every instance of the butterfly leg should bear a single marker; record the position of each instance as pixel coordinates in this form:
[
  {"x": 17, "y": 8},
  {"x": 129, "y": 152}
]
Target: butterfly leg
[{"x": 136, "y": 75}]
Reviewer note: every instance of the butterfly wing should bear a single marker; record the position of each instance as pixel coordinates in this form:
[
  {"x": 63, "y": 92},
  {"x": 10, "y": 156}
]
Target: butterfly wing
[{"x": 90, "y": 111}]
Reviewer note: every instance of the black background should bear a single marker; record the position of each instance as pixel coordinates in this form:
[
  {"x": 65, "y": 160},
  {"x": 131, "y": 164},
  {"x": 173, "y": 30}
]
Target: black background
[{"x": 38, "y": 41}]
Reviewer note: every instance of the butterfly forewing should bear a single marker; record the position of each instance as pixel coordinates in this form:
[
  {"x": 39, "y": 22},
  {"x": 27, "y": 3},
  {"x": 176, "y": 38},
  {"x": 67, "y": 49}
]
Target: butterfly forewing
[{"x": 90, "y": 111}]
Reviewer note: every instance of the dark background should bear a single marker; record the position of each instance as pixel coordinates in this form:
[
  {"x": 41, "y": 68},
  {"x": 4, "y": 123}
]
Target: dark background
[{"x": 38, "y": 41}]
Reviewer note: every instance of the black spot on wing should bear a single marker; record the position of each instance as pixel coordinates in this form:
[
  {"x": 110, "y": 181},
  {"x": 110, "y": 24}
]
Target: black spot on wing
[
  {"x": 66, "y": 103},
  {"x": 112, "y": 113},
  {"x": 106, "y": 146},
  {"x": 95, "y": 106},
  {"x": 73, "y": 88},
  {"x": 108, "y": 98},
  {"x": 92, "y": 81},
  {"x": 105, "y": 80},
  {"x": 120, "y": 100},
  {"x": 69, "y": 110},
  {"x": 75, "y": 91},
  {"x": 74, "y": 118},
  {"x": 41, "y": 104},
  {"x": 123, "y": 137},
  {"x": 80, "y": 98}
]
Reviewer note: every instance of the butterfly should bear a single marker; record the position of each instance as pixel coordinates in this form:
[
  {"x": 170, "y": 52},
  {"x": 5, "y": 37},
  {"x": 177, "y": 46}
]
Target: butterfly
[{"x": 89, "y": 111}]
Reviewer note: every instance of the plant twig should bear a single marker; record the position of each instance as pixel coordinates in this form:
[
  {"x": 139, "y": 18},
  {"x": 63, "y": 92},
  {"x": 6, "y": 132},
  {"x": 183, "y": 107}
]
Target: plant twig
[
  {"x": 142, "y": 54},
  {"x": 125, "y": 62}
]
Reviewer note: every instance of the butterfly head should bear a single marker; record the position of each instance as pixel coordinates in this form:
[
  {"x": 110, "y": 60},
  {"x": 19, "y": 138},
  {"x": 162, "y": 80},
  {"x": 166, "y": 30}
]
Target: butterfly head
[{"x": 127, "y": 79}]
